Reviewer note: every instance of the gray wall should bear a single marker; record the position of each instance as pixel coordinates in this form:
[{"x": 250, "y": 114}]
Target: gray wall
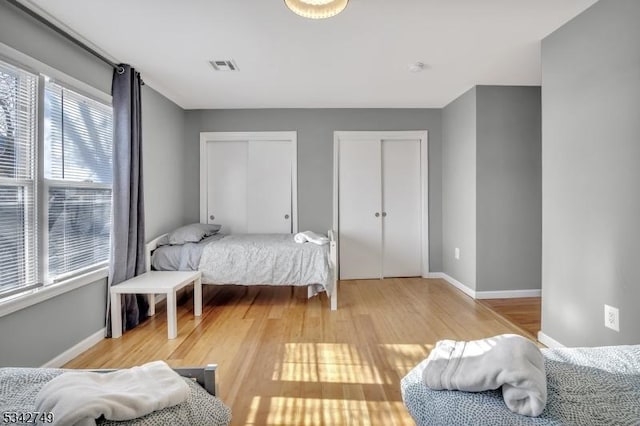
[
  {"x": 39, "y": 333},
  {"x": 34, "y": 39},
  {"x": 163, "y": 156},
  {"x": 33, "y": 336},
  {"x": 508, "y": 191},
  {"x": 459, "y": 188},
  {"x": 315, "y": 129},
  {"x": 491, "y": 188},
  {"x": 590, "y": 158}
]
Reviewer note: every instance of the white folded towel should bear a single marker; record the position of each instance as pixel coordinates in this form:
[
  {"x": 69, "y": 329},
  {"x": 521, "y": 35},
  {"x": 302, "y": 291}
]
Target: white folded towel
[
  {"x": 310, "y": 236},
  {"x": 78, "y": 398},
  {"x": 508, "y": 360}
]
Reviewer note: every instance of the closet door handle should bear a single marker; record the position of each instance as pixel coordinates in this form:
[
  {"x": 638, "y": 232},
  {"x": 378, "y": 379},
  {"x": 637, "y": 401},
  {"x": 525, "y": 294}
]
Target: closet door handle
[
  {"x": 212, "y": 217},
  {"x": 286, "y": 216},
  {"x": 377, "y": 214},
  {"x": 384, "y": 214}
]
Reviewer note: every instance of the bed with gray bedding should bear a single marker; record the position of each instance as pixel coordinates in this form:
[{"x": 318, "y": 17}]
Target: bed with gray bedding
[
  {"x": 250, "y": 259},
  {"x": 19, "y": 388},
  {"x": 586, "y": 386}
]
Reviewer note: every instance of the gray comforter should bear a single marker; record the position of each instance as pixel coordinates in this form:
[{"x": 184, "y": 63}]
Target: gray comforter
[
  {"x": 273, "y": 259},
  {"x": 586, "y": 386},
  {"x": 250, "y": 259}
]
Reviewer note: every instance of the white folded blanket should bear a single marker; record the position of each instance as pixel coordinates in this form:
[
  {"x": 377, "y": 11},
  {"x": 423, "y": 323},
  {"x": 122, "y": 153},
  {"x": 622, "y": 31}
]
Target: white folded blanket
[
  {"x": 79, "y": 398},
  {"x": 508, "y": 360},
  {"x": 310, "y": 236}
]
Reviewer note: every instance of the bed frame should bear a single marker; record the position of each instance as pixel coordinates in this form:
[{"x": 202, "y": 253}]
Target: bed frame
[
  {"x": 204, "y": 376},
  {"x": 333, "y": 265}
]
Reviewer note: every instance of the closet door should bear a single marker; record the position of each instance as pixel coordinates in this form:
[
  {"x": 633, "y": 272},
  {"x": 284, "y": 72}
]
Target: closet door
[
  {"x": 227, "y": 185},
  {"x": 360, "y": 209},
  {"x": 401, "y": 211},
  {"x": 269, "y": 187},
  {"x": 248, "y": 181}
]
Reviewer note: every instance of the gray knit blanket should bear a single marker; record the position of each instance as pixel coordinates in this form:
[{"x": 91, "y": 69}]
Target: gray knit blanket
[{"x": 586, "y": 386}]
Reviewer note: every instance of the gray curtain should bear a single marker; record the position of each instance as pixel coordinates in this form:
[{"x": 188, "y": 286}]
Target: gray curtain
[{"x": 127, "y": 230}]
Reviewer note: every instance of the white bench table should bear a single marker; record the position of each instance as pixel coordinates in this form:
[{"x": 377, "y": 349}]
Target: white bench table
[{"x": 152, "y": 283}]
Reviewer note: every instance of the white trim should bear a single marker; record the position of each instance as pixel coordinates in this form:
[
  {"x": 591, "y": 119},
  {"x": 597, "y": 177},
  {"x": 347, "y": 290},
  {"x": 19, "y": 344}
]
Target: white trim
[
  {"x": 75, "y": 350},
  {"x": 58, "y": 183},
  {"x": 508, "y": 294},
  {"x": 37, "y": 67},
  {"x": 266, "y": 136},
  {"x": 204, "y": 173},
  {"x": 432, "y": 275},
  {"x": 294, "y": 183},
  {"x": 548, "y": 341},
  {"x": 423, "y": 137},
  {"x": 22, "y": 301},
  {"x": 336, "y": 196},
  {"x": 383, "y": 134},
  {"x": 424, "y": 191},
  {"x": 457, "y": 284}
]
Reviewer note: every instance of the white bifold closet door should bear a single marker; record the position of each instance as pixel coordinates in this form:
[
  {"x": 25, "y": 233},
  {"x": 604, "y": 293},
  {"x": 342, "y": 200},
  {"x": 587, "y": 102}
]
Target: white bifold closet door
[
  {"x": 379, "y": 208},
  {"x": 249, "y": 186},
  {"x": 227, "y": 185},
  {"x": 401, "y": 240},
  {"x": 269, "y": 187},
  {"x": 360, "y": 199}
]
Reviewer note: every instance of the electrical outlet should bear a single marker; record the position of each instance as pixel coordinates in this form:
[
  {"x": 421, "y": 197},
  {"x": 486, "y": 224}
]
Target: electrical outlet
[
  {"x": 611, "y": 318},
  {"x": 456, "y": 253}
]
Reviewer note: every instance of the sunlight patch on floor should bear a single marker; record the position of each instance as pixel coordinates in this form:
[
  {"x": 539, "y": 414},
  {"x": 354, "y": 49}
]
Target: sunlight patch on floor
[
  {"x": 314, "y": 411},
  {"x": 403, "y": 357},
  {"x": 325, "y": 362}
]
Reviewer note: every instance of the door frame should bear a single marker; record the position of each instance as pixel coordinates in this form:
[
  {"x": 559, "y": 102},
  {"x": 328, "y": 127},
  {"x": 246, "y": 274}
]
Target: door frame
[
  {"x": 422, "y": 136},
  {"x": 209, "y": 137}
]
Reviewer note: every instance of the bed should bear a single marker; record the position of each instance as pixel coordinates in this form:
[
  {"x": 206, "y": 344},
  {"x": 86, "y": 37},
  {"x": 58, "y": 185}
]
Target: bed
[
  {"x": 252, "y": 259},
  {"x": 19, "y": 388},
  {"x": 598, "y": 386}
]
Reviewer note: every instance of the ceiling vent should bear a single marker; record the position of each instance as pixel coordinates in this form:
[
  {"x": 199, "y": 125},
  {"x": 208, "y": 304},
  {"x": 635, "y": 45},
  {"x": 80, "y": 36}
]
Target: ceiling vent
[{"x": 224, "y": 65}]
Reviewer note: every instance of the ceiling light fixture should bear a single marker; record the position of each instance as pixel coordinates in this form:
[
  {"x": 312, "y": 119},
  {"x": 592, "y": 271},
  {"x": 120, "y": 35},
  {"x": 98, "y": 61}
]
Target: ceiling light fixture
[{"x": 316, "y": 9}]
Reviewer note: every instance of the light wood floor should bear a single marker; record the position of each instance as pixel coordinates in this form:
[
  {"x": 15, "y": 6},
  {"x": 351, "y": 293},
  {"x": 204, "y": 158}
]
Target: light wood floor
[
  {"x": 524, "y": 312},
  {"x": 287, "y": 360}
]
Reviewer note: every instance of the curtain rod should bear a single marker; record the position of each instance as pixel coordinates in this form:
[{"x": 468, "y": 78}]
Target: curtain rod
[{"x": 63, "y": 33}]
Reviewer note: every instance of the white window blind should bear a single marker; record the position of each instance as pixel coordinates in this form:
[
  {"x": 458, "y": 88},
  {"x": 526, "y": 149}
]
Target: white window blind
[
  {"x": 78, "y": 175},
  {"x": 18, "y": 236}
]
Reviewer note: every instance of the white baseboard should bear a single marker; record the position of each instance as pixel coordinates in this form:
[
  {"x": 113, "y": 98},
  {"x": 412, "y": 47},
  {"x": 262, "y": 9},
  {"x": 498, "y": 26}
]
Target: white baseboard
[
  {"x": 548, "y": 341},
  {"x": 457, "y": 284},
  {"x": 75, "y": 350},
  {"x": 507, "y": 294},
  {"x": 433, "y": 275}
]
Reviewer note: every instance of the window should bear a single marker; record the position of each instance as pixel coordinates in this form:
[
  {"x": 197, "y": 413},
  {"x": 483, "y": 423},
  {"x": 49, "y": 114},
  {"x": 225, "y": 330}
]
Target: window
[
  {"x": 18, "y": 260},
  {"x": 55, "y": 190},
  {"x": 78, "y": 134}
]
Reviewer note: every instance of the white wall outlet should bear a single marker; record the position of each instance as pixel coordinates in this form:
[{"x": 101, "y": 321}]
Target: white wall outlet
[
  {"x": 611, "y": 318},
  {"x": 456, "y": 253}
]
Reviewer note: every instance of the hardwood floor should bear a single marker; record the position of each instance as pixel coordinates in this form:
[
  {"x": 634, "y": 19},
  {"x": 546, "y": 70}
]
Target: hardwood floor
[
  {"x": 523, "y": 312},
  {"x": 287, "y": 360}
]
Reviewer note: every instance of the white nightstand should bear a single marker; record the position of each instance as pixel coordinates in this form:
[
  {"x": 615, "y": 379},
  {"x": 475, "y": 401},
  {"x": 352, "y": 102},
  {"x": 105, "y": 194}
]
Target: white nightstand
[{"x": 152, "y": 283}]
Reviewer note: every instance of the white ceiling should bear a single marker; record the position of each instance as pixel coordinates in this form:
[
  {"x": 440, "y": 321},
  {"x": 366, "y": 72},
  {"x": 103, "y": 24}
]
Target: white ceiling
[{"x": 357, "y": 59}]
